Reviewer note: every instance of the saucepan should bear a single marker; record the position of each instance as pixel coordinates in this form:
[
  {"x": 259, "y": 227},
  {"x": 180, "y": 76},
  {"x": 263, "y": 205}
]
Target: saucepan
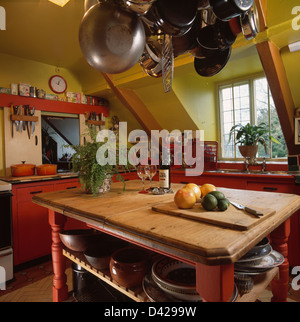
[
  {"x": 22, "y": 170},
  {"x": 227, "y": 9},
  {"x": 111, "y": 38},
  {"x": 173, "y": 17},
  {"x": 139, "y": 6}
]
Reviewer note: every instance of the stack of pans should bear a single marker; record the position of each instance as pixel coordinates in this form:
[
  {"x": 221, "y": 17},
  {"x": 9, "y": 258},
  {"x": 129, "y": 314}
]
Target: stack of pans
[{"x": 259, "y": 260}]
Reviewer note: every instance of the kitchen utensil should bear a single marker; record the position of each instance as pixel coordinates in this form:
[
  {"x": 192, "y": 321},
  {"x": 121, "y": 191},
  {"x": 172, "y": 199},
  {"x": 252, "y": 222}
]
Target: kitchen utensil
[
  {"x": 139, "y": 6},
  {"x": 251, "y": 211},
  {"x": 227, "y": 9},
  {"x": 111, "y": 38},
  {"x": 249, "y": 257},
  {"x": 22, "y": 170},
  {"x": 89, "y": 3},
  {"x": 151, "y": 60},
  {"x": 212, "y": 65},
  {"x": 46, "y": 169},
  {"x": 167, "y": 63},
  {"x": 13, "y": 111},
  {"x": 32, "y": 124},
  {"x": 20, "y": 124},
  {"x": 78, "y": 240},
  {"x": 129, "y": 265},
  {"x": 250, "y": 23},
  {"x": 172, "y": 17},
  {"x": 27, "y": 112},
  {"x": 176, "y": 278}
]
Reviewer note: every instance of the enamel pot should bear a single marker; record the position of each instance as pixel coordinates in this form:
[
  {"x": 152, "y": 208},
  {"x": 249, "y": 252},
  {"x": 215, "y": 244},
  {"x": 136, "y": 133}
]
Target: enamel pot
[
  {"x": 227, "y": 9},
  {"x": 173, "y": 17},
  {"x": 22, "y": 170},
  {"x": 112, "y": 39}
]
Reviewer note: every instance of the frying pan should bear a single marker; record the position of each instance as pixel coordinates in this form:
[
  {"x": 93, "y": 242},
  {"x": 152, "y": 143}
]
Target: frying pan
[
  {"x": 227, "y": 9},
  {"x": 139, "y": 6},
  {"x": 111, "y": 38},
  {"x": 173, "y": 17},
  {"x": 89, "y": 3},
  {"x": 212, "y": 65}
]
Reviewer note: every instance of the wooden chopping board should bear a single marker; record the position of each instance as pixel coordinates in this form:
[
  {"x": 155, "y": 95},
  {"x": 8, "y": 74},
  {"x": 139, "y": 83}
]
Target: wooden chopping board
[{"x": 232, "y": 218}]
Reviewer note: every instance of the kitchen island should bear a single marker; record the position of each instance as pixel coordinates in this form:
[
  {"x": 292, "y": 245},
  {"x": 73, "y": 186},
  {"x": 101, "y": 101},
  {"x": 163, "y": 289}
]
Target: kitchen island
[{"x": 212, "y": 249}]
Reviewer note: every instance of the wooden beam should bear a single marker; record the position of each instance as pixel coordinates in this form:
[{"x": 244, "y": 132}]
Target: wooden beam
[
  {"x": 134, "y": 104},
  {"x": 262, "y": 12},
  {"x": 279, "y": 86}
]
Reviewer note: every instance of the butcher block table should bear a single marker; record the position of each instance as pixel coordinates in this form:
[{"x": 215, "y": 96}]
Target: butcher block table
[{"x": 212, "y": 247}]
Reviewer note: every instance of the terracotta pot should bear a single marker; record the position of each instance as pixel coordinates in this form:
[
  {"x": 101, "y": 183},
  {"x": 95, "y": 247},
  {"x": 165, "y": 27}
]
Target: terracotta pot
[
  {"x": 22, "y": 170},
  {"x": 46, "y": 169},
  {"x": 249, "y": 152},
  {"x": 129, "y": 265}
]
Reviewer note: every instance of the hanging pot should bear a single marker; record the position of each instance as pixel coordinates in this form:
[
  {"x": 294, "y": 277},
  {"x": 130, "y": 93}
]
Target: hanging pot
[
  {"x": 250, "y": 23},
  {"x": 227, "y": 9},
  {"x": 111, "y": 38},
  {"x": 173, "y": 17},
  {"x": 212, "y": 65},
  {"x": 151, "y": 60},
  {"x": 139, "y": 6},
  {"x": 89, "y": 3}
]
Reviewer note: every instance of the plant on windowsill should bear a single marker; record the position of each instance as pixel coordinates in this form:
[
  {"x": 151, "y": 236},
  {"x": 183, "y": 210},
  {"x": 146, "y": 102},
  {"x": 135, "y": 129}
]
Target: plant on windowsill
[
  {"x": 94, "y": 177},
  {"x": 248, "y": 136}
]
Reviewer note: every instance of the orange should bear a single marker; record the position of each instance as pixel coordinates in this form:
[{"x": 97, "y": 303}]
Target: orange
[
  {"x": 195, "y": 188},
  {"x": 207, "y": 188},
  {"x": 185, "y": 198}
]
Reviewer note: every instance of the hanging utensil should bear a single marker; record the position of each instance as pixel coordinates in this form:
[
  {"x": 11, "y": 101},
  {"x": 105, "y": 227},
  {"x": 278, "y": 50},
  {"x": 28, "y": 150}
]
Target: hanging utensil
[
  {"x": 111, "y": 38},
  {"x": 167, "y": 63},
  {"x": 139, "y": 6},
  {"x": 27, "y": 113},
  {"x": 20, "y": 124},
  {"x": 32, "y": 124},
  {"x": 227, "y": 9},
  {"x": 250, "y": 23},
  {"x": 212, "y": 65},
  {"x": 13, "y": 111}
]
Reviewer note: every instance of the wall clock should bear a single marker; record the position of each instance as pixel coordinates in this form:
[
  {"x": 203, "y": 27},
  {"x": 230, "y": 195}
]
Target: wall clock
[{"x": 58, "y": 84}]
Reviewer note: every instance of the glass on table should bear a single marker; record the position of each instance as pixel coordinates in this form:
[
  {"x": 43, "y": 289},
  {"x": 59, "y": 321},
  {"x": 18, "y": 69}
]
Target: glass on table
[
  {"x": 141, "y": 172},
  {"x": 151, "y": 172}
]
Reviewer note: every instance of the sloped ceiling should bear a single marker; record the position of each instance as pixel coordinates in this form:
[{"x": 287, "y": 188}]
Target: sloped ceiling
[{"x": 41, "y": 31}]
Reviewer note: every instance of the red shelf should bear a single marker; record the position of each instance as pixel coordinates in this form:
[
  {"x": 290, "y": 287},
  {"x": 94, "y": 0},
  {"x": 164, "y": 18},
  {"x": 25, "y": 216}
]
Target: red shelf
[{"x": 50, "y": 105}]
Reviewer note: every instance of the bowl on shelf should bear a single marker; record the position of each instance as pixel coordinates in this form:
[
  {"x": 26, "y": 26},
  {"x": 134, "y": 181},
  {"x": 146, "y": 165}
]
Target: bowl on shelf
[
  {"x": 78, "y": 240},
  {"x": 176, "y": 278},
  {"x": 129, "y": 265},
  {"x": 46, "y": 169},
  {"x": 98, "y": 255}
]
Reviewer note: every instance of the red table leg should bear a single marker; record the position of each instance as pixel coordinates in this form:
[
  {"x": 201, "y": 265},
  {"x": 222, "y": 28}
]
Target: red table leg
[
  {"x": 279, "y": 239},
  {"x": 60, "y": 288},
  {"x": 215, "y": 283}
]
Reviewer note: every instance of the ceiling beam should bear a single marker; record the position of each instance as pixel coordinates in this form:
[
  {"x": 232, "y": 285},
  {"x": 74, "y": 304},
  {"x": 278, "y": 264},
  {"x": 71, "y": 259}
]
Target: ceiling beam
[
  {"x": 276, "y": 75},
  {"x": 135, "y": 105}
]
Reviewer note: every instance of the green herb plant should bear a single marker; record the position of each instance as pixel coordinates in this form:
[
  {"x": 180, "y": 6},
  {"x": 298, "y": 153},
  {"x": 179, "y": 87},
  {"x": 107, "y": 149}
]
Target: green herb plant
[{"x": 91, "y": 173}]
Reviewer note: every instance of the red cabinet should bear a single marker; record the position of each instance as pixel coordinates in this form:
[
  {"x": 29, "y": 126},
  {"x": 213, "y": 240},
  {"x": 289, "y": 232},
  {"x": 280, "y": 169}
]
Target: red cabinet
[{"x": 31, "y": 230}]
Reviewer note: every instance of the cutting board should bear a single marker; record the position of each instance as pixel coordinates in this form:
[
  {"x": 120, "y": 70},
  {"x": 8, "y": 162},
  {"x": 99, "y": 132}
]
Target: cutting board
[{"x": 232, "y": 218}]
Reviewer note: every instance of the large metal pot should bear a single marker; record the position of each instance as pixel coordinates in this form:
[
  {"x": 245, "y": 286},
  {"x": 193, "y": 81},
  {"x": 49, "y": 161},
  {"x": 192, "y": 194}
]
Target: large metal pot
[
  {"x": 227, "y": 9},
  {"x": 111, "y": 38}
]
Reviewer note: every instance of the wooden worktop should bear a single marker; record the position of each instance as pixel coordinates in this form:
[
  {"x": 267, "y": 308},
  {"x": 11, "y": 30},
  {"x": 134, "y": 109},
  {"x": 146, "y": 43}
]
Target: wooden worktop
[{"x": 129, "y": 215}]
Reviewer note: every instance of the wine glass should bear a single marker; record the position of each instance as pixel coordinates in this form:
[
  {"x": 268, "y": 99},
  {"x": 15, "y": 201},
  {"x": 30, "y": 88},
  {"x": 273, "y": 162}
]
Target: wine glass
[
  {"x": 141, "y": 172},
  {"x": 151, "y": 172}
]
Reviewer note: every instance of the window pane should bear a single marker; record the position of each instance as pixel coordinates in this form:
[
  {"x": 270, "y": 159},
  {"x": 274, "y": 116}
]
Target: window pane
[{"x": 261, "y": 101}]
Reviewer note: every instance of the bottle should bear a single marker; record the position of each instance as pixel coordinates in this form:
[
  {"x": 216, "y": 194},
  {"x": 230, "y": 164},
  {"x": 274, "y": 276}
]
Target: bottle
[{"x": 165, "y": 173}]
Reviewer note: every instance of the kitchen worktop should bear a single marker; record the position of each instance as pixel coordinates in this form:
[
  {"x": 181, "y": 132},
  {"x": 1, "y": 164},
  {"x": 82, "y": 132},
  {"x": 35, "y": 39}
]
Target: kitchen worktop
[{"x": 36, "y": 178}]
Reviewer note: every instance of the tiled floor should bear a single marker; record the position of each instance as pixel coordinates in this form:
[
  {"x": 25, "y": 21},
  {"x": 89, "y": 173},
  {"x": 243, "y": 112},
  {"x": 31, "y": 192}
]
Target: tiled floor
[{"x": 35, "y": 285}]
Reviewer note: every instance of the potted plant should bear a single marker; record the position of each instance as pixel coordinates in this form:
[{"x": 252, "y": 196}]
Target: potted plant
[
  {"x": 94, "y": 177},
  {"x": 248, "y": 136}
]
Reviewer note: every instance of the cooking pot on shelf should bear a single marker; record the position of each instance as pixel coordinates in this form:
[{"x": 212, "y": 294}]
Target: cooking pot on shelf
[
  {"x": 46, "y": 169},
  {"x": 111, "y": 38},
  {"x": 22, "y": 170},
  {"x": 227, "y": 9}
]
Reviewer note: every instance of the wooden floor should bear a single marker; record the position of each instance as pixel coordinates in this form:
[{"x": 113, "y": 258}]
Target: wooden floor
[{"x": 35, "y": 285}]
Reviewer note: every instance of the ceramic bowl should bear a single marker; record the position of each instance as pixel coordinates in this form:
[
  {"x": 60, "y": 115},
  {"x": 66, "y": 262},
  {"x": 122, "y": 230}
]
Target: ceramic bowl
[
  {"x": 78, "y": 240},
  {"x": 98, "y": 255},
  {"x": 129, "y": 265},
  {"x": 176, "y": 278}
]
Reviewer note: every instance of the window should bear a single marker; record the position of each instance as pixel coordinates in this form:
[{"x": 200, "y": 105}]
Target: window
[{"x": 251, "y": 102}]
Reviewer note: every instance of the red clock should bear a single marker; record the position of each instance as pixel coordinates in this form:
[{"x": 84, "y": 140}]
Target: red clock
[{"x": 58, "y": 84}]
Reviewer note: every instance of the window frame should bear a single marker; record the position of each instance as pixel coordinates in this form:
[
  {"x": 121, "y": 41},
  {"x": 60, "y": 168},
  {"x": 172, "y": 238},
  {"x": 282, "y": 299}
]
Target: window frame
[{"x": 231, "y": 83}]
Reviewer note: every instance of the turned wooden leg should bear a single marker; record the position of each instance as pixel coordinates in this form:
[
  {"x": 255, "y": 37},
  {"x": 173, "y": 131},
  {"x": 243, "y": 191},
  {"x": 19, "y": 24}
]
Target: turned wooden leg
[
  {"x": 60, "y": 288},
  {"x": 279, "y": 239},
  {"x": 215, "y": 283}
]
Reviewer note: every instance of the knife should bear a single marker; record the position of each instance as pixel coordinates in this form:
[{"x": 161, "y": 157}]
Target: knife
[
  {"x": 27, "y": 112},
  {"x": 20, "y": 123},
  {"x": 32, "y": 124},
  {"x": 13, "y": 111},
  {"x": 251, "y": 211}
]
